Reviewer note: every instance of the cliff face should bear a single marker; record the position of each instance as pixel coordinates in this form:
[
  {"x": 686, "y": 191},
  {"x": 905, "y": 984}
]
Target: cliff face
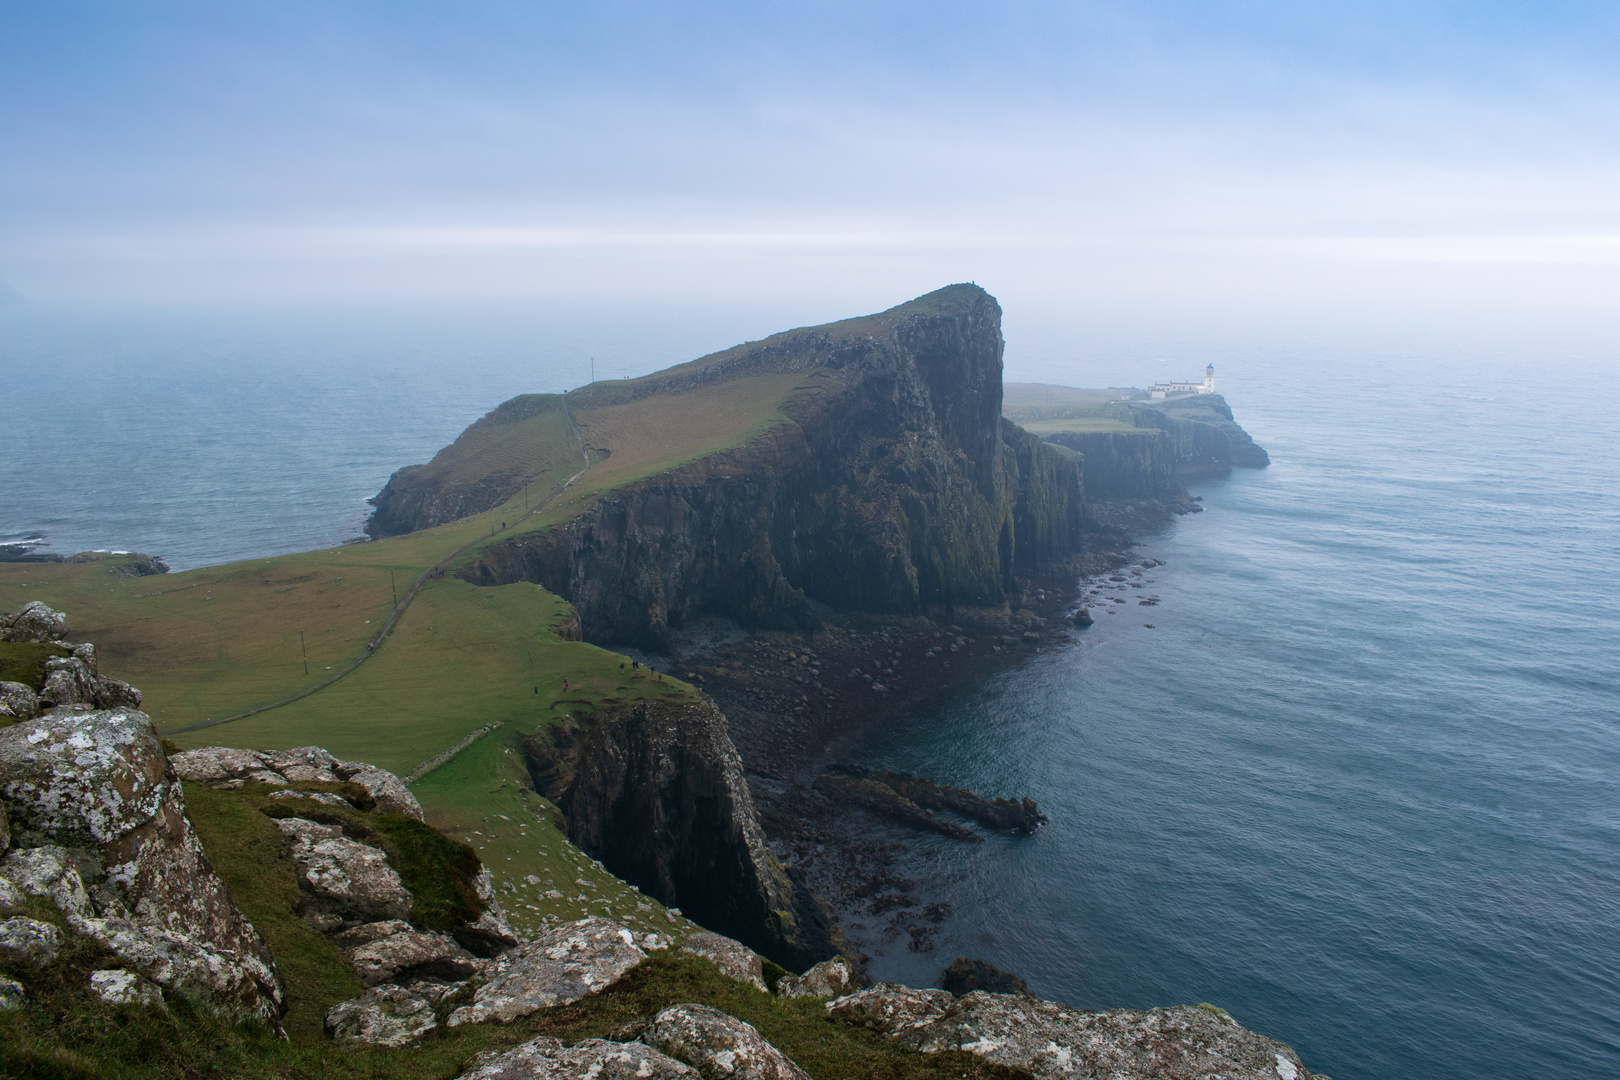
[
  {"x": 1175, "y": 441},
  {"x": 895, "y": 487},
  {"x": 657, "y": 793}
]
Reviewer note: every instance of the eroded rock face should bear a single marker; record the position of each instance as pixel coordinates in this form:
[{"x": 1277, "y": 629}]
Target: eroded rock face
[
  {"x": 382, "y": 1016},
  {"x": 828, "y": 979},
  {"x": 718, "y": 1045},
  {"x": 733, "y": 958},
  {"x": 593, "y": 1059},
  {"x": 35, "y": 622},
  {"x": 561, "y": 966},
  {"x": 229, "y": 767},
  {"x": 100, "y": 819},
  {"x": 1050, "y": 1040},
  {"x": 344, "y": 877}
]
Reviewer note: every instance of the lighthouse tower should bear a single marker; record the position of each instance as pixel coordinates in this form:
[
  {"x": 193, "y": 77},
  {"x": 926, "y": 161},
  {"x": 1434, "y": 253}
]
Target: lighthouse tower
[{"x": 1209, "y": 380}]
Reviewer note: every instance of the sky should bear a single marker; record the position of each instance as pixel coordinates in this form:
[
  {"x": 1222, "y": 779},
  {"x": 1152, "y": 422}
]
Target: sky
[{"x": 1424, "y": 164}]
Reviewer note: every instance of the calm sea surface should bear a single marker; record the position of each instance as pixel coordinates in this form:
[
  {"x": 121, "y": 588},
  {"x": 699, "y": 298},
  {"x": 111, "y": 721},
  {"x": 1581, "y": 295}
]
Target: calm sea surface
[{"x": 1359, "y": 783}]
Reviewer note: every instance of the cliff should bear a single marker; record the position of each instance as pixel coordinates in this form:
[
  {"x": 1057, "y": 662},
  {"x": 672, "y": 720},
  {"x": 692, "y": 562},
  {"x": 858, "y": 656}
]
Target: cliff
[
  {"x": 891, "y": 485},
  {"x": 657, "y": 793}
]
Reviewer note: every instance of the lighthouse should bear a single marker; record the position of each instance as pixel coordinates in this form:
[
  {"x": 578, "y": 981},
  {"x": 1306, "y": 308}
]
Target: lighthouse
[{"x": 1209, "y": 379}]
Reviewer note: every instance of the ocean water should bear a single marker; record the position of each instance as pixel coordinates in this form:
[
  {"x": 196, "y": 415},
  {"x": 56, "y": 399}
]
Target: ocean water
[{"x": 1359, "y": 783}]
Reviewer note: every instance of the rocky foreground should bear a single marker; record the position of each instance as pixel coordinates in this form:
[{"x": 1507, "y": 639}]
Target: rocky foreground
[{"x": 101, "y": 860}]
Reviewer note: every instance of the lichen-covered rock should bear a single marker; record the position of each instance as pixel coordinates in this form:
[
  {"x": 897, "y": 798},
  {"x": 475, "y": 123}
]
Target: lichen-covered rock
[
  {"x": 12, "y": 997},
  {"x": 29, "y": 941},
  {"x": 733, "y": 958},
  {"x": 35, "y": 622},
  {"x": 561, "y": 966},
  {"x": 114, "y": 694},
  {"x": 592, "y": 1059},
  {"x": 891, "y": 1008},
  {"x": 383, "y": 1016},
  {"x": 1049, "y": 1040},
  {"x": 828, "y": 979},
  {"x": 68, "y": 681},
  {"x": 324, "y": 797},
  {"x": 94, "y": 789},
  {"x": 409, "y": 951},
  {"x": 718, "y": 1045},
  {"x": 18, "y": 702},
  {"x": 344, "y": 876},
  {"x": 224, "y": 766},
  {"x": 118, "y": 987}
]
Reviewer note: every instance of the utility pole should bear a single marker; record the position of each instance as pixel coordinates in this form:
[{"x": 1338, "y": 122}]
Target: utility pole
[{"x": 303, "y": 650}]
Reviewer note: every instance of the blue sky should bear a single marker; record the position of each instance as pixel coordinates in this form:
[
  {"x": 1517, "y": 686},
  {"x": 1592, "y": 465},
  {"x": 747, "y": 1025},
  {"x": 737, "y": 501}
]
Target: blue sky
[{"x": 1321, "y": 160}]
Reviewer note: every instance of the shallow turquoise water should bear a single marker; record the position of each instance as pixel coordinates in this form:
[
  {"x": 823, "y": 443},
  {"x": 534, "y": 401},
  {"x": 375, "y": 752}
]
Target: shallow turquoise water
[{"x": 1358, "y": 784}]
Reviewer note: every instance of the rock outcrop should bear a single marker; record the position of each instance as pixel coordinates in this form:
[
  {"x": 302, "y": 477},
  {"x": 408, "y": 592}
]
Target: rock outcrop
[
  {"x": 657, "y": 793},
  {"x": 60, "y": 674},
  {"x": 231, "y": 769},
  {"x": 828, "y": 979},
  {"x": 1049, "y": 1040},
  {"x": 98, "y": 823},
  {"x": 561, "y": 966},
  {"x": 592, "y": 1059},
  {"x": 718, "y": 1045},
  {"x": 734, "y": 959}
]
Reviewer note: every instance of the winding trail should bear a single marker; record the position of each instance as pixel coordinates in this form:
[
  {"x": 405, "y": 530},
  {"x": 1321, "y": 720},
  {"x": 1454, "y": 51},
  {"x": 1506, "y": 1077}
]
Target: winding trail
[{"x": 399, "y": 609}]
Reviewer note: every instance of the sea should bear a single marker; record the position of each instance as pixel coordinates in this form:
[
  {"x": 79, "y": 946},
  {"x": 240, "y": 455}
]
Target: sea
[{"x": 1355, "y": 777}]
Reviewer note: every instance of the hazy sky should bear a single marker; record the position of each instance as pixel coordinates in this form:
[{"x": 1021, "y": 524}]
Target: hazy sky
[{"x": 1448, "y": 162}]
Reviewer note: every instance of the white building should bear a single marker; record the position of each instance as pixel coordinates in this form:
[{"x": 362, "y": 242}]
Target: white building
[{"x": 1160, "y": 391}]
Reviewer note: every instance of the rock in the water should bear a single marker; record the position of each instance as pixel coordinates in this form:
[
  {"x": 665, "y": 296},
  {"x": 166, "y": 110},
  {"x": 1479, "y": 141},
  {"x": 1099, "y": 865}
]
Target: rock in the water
[
  {"x": 119, "y": 987},
  {"x": 18, "y": 702},
  {"x": 966, "y": 975},
  {"x": 561, "y": 966},
  {"x": 408, "y": 951},
  {"x": 1049, "y": 1040},
  {"x": 383, "y": 1016},
  {"x": 344, "y": 876},
  {"x": 733, "y": 958},
  {"x": 97, "y": 785},
  {"x": 28, "y": 941},
  {"x": 12, "y": 997},
  {"x": 593, "y": 1059},
  {"x": 718, "y": 1045},
  {"x": 35, "y": 622},
  {"x": 828, "y": 979}
]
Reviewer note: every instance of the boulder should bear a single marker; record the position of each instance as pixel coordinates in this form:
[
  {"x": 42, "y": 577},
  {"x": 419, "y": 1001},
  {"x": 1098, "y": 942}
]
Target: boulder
[
  {"x": 828, "y": 979},
  {"x": 733, "y": 958},
  {"x": 28, "y": 941},
  {"x": 35, "y": 622},
  {"x": 119, "y": 987},
  {"x": 592, "y": 1059},
  {"x": 12, "y": 997},
  {"x": 891, "y": 1008},
  {"x": 718, "y": 1045},
  {"x": 490, "y": 934},
  {"x": 323, "y": 797},
  {"x": 68, "y": 681},
  {"x": 561, "y": 966},
  {"x": 1048, "y": 1040},
  {"x": 383, "y": 1016},
  {"x": 409, "y": 951},
  {"x": 390, "y": 792},
  {"x": 113, "y": 694},
  {"x": 18, "y": 702},
  {"x": 343, "y": 876},
  {"x": 216, "y": 764},
  {"x": 100, "y": 818},
  {"x": 223, "y": 766}
]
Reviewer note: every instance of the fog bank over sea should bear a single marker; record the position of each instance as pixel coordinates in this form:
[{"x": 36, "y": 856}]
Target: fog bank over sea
[{"x": 1358, "y": 782}]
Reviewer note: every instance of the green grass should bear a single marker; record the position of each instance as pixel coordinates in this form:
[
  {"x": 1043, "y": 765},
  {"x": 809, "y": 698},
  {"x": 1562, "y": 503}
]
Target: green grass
[
  {"x": 24, "y": 661},
  {"x": 1083, "y": 425}
]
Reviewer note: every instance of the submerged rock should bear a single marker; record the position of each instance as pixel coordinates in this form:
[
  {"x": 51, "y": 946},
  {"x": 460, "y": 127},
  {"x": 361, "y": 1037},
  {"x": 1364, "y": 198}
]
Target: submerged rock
[
  {"x": 733, "y": 958},
  {"x": 828, "y": 979},
  {"x": 592, "y": 1059},
  {"x": 559, "y": 967},
  {"x": 966, "y": 975},
  {"x": 718, "y": 1045}
]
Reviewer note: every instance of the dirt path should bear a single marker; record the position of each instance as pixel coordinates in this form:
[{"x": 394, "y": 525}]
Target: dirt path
[{"x": 399, "y": 609}]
